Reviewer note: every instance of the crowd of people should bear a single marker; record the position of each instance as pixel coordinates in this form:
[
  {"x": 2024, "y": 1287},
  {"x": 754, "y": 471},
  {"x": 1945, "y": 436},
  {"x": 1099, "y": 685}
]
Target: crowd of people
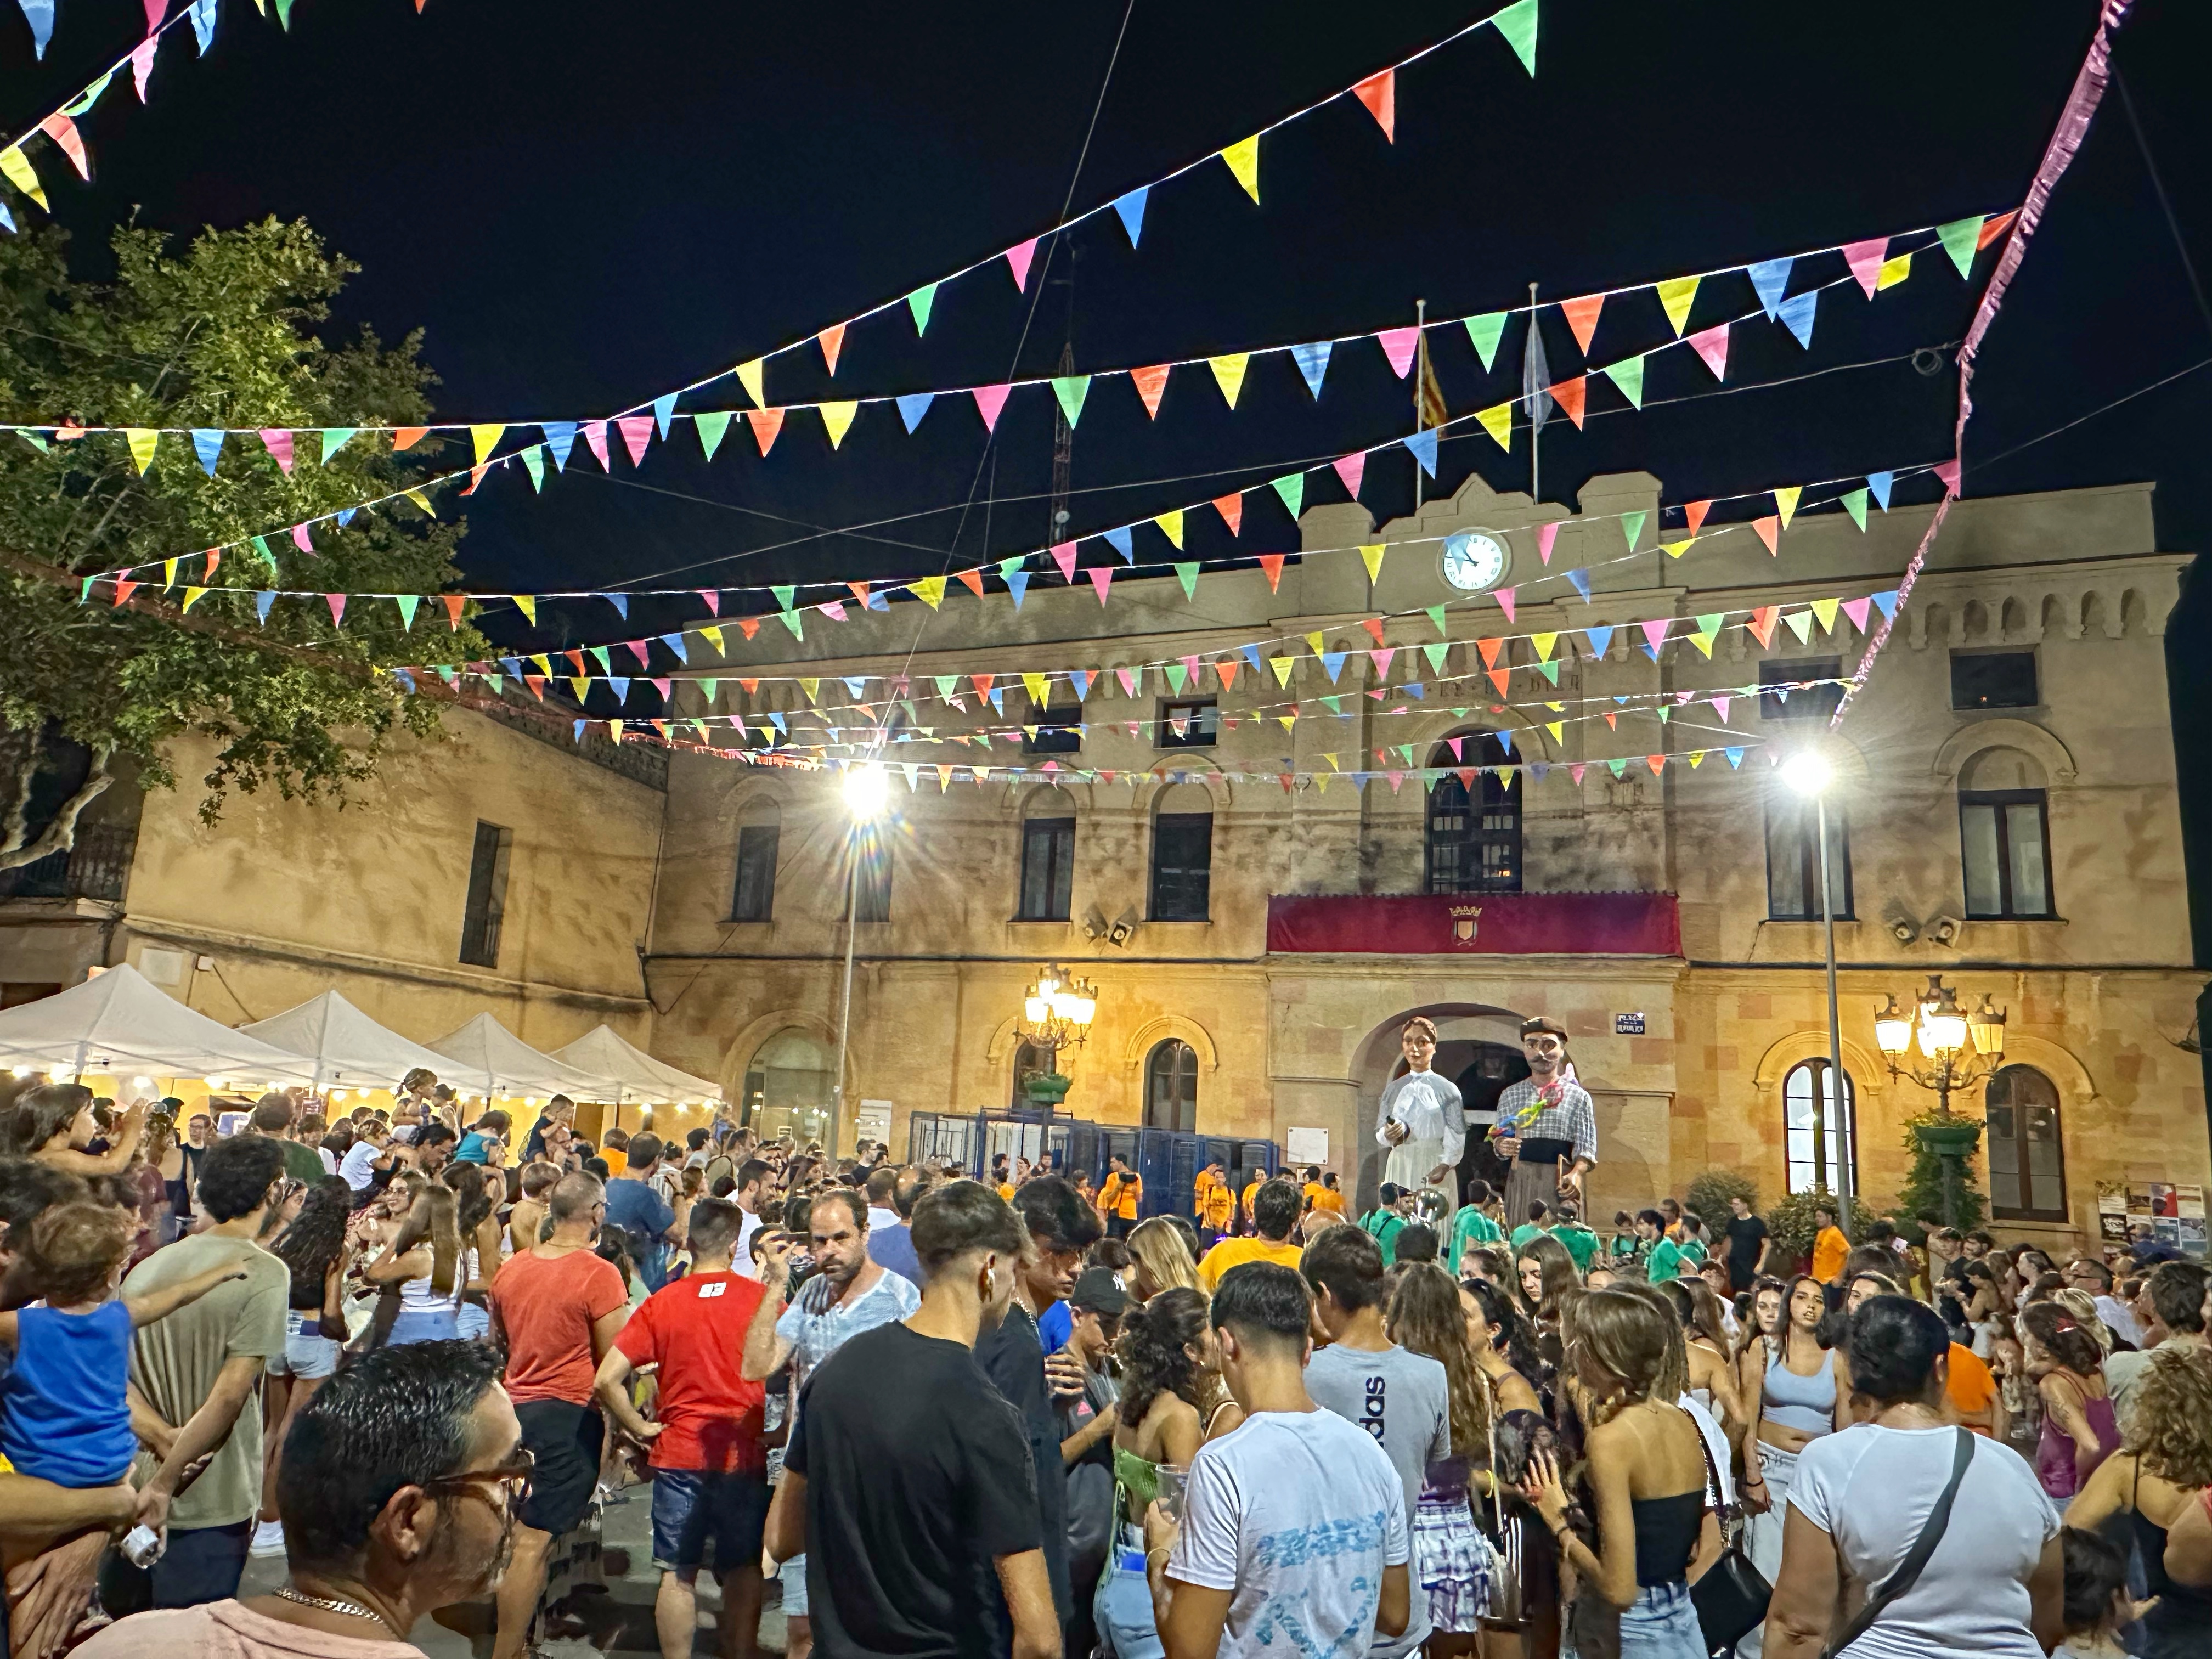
[{"x": 415, "y": 1351}]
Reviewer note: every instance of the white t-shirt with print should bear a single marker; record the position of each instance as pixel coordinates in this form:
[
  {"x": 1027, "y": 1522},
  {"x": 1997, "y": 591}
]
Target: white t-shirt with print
[
  {"x": 1298, "y": 1513},
  {"x": 1871, "y": 1488}
]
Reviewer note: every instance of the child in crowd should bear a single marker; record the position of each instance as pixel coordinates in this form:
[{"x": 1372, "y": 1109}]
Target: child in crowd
[{"x": 65, "y": 1413}]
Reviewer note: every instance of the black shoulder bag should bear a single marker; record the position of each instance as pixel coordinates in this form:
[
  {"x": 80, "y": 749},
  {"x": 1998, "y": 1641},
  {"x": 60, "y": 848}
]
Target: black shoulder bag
[
  {"x": 1909, "y": 1569},
  {"x": 1731, "y": 1598}
]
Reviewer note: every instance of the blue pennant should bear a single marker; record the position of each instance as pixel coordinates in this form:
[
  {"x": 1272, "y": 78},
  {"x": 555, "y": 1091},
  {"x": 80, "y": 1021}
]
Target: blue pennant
[
  {"x": 1880, "y": 484},
  {"x": 207, "y": 444},
  {"x": 675, "y": 642},
  {"x": 914, "y": 406},
  {"x": 1119, "y": 540},
  {"x": 1017, "y": 583},
  {"x": 1132, "y": 209},
  {"x": 619, "y": 685},
  {"x": 1768, "y": 278},
  {"x": 1601, "y": 640},
  {"x": 1424, "y": 445},
  {"x": 1581, "y": 580},
  {"x": 1313, "y": 362},
  {"x": 560, "y": 438},
  {"x": 664, "y": 411},
  {"x": 621, "y": 603},
  {"x": 1797, "y": 315}
]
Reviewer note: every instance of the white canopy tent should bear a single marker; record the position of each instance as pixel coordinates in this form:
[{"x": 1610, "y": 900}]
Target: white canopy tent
[
  {"x": 601, "y": 1050},
  {"x": 485, "y": 1058},
  {"x": 347, "y": 1046},
  {"x": 119, "y": 1023}
]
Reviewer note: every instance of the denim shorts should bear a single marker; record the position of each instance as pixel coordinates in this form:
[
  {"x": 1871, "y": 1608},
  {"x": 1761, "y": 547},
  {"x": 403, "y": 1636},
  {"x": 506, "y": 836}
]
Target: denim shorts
[
  {"x": 693, "y": 1509},
  {"x": 1661, "y": 1623},
  {"x": 307, "y": 1351},
  {"x": 422, "y": 1325},
  {"x": 792, "y": 1575}
]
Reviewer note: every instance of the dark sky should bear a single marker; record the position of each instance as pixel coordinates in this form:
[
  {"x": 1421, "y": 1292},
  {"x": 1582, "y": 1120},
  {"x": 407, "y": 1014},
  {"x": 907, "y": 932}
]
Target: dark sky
[{"x": 584, "y": 204}]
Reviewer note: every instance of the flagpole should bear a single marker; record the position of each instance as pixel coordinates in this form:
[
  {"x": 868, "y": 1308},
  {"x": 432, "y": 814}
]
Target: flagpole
[
  {"x": 1535, "y": 425},
  {"x": 1420, "y": 375}
]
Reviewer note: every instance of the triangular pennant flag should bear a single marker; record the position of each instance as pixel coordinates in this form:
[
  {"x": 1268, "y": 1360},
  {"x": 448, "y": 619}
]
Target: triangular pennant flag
[
  {"x": 1017, "y": 261},
  {"x": 1498, "y": 421},
  {"x": 334, "y": 440},
  {"x": 1712, "y": 344},
  {"x": 1283, "y": 667},
  {"x": 1291, "y": 487},
  {"x": 971, "y": 580},
  {"x": 1856, "y": 611},
  {"x": 1353, "y": 471},
  {"x": 168, "y": 574},
  {"x": 1801, "y": 625},
  {"x": 918, "y": 304},
  {"x": 1150, "y": 384},
  {"x": 1581, "y": 318},
  {"x": 1372, "y": 556},
  {"x": 1568, "y": 394},
  {"x": 832, "y": 341},
  {"x": 989, "y": 400},
  {"x": 1825, "y": 612},
  {"x": 1243, "y": 160},
  {"x": 1959, "y": 238},
  {"x": 1504, "y": 597},
  {"x": 1785, "y": 502},
  {"x": 15, "y": 167},
  {"x": 1018, "y": 584},
  {"x": 765, "y": 423},
  {"x": 1518, "y": 24},
  {"x": 1399, "y": 345},
  {"x": 1865, "y": 260},
  {"x": 1628, "y": 376},
  {"x": 1435, "y": 652},
  {"x": 751, "y": 376},
  {"x": 1675, "y": 297},
  {"x": 1948, "y": 472},
  {"x": 838, "y": 419},
  {"x": 636, "y": 434},
  {"x": 1072, "y": 389},
  {"x": 279, "y": 443},
  {"x": 1424, "y": 445},
  {"x": 1102, "y": 578},
  {"x": 1855, "y": 502},
  {"x": 595, "y": 436},
  {"x": 336, "y": 603},
  {"x": 63, "y": 130},
  {"x": 1131, "y": 207},
  {"x": 1063, "y": 555},
  {"x": 262, "y": 601},
  {"x": 142, "y": 441},
  {"x": 1582, "y": 583},
  {"x": 1881, "y": 483},
  {"x": 1379, "y": 93},
  {"x": 1272, "y": 564},
  {"x": 1631, "y": 526},
  {"x": 913, "y": 407},
  {"x": 1229, "y": 373},
  {"x": 560, "y": 438},
  {"x": 39, "y": 13},
  {"x": 1655, "y": 632},
  {"x": 1892, "y": 272},
  {"x": 1768, "y": 278},
  {"x": 207, "y": 444},
  {"x": 1769, "y": 530},
  {"x": 1170, "y": 524},
  {"x": 193, "y": 595},
  {"x": 485, "y": 440},
  {"x": 1762, "y": 624},
  {"x": 1232, "y": 509},
  {"x": 1121, "y": 541},
  {"x": 1888, "y": 604},
  {"x": 1313, "y": 364},
  {"x": 710, "y": 427},
  {"x": 1796, "y": 315},
  {"x": 1484, "y": 332},
  {"x": 1187, "y": 574},
  {"x": 1693, "y": 514},
  {"x": 407, "y": 602}
]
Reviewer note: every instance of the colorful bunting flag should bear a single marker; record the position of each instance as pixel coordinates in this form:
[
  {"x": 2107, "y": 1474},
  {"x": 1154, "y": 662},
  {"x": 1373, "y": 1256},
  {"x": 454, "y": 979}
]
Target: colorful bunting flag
[
  {"x": 1130, "y": 208},
  {"x": 1243, "y": 160},
  {"x": 1676, "y": 295},
  {"x": 1379, "y": 94},
  {"x": 1483, "y": 333},
  {"x": 1712, "y": 344},
  {"x": 1229, "y": 373}
]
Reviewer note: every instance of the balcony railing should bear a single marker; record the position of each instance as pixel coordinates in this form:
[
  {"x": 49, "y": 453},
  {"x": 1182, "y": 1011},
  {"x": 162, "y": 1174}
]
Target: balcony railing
[{"x": 95, "y": 867}]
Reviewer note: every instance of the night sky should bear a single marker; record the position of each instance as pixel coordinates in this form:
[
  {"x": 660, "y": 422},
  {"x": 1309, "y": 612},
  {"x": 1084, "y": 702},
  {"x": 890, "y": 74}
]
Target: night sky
[{"x": 585, "y": 205}]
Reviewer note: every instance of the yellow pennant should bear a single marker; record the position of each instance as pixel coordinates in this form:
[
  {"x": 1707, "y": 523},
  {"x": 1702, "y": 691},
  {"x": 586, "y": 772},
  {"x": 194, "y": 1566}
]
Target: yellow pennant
[
  {"x": 1826, "y": 611},
  {"x": 486, "y": 439},
  {"x": 1314, "y": 644},
  {"x": 838, "y": 417},
  {"x": 749, "y": 376},
  {"x": 168, "y": 573},
  {"x": 1892, "y": 272},
  {"x": 580, "y": 686},
  {"x": 526, "y": 603},
  {"x": 930, "y": 590},
  {"x": 421, "y": 500},
  {"x": 1543, "y": 642},
  {"x": 1035, "y": 685},
  {"x": 1675, "y": 550},
  {"x": 1697, "y": 759},
  {"x": 1372, "y": 558},
  {"x": 1498, "y": 421},
  {"x": 142, "y": 443},
  {"x": 810, "y": 687},
  {"x": 16, "y": 167},
  {"x": 1287, "y": 721},
  {"x": 193, "y": 595},
  {"x": 545, "y": 665},
  {"x": 1282, "y": 665},
  {"x": 713, "y": 637},
  {"x": 1557, "y": 729},
  {"x": 1230, "y": 372},
  {"x": 614, "y": 730},
  {"x": 1785, "y": 502},
  {"x": 1244, "y": 159},
  {"x": 1704, "y": 642},
  {"x": 1675, "y": 296},
  {"x": 1171, "y": 524}
]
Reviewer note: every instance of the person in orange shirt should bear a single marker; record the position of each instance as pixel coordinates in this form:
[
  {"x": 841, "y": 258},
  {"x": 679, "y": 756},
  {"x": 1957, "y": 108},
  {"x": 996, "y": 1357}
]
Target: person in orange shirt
[
  {"x": 1211, "y": 1204},
  {"x": 1258, "y": 1181},
  {"x": 1331, "y": 1196},
  {"x": 1119, "y": 1198},
  {"x": 1831, "y": 1250},
  {"x": 1274, "y": 1213}
]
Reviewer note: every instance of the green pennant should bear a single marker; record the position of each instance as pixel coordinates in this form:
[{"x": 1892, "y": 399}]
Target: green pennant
[
  {"x": 334, "y": 440},
  {"x": 1855, "y": 502},
  {"x": 1291, "y": 487},
  {"x": 1071, "y": 390},
  {"x": 1178, "y": 676},
  {"x": 261, "y": 544},
  {"x": 1435, "y": 655},
  {"x": 1188, "y": 575},
  {"x": 1485, "y": 331},
  {"x": 598, "y": 653},
  {"x": 1629, "y": 377},
  {"x": 1631, "y": 526},
  {"x": 1518, "y": 24},
  {"x": 1616, "y": 767},
  {"x": 533, "y": 463},
  {"x": 707, "y": 688},
  {"x": 1550, "y": 671},
  {"x": 790, "y": 619},
  {"x": 34, "y": 439},
  {"x": 407, "y": 602},
  {"x": 1960, "y": 238},
  {"x": 784, "y": 596},
  {"x": 1712, "y": 621},
  {"x": 945, "y": 682},
  {"x": 496, "y": 681},
  {"x": 1334, "y": 705},
  {"x": 1008, "y": 567},
  {"x": 84, "y": 593},
  {"x": 1437, "y": 615},
  {"x": 919, "y": 303},
  {"x": 710, "y": 427},
  {"x": 1663, "y": 711}
]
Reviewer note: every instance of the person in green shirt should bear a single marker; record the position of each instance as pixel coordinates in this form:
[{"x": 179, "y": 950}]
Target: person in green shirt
[
  {"x": 1473, "y": 1226},
  {"x": 1664, "y": 1260},
  {"x": 1694, "y": 1249},
  {"x": 1580, "y": 1241},
  {"x": 1538, "y": 1222},
  {"x": 1383, "y": 1223}
]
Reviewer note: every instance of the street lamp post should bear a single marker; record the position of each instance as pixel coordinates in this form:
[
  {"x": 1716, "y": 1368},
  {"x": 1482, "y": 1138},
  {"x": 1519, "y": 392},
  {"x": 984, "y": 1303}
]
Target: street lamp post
[
  {"x": 1057, "y": 1010},
  {"x": 1808, "y": 773},
  {"x": 1962, "y": 1049},
  {"x": 867, "y": 792}
]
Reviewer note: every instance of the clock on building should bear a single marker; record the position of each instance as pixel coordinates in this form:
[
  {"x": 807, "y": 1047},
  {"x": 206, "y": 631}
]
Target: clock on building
[{"x": 1473, "y": 560}]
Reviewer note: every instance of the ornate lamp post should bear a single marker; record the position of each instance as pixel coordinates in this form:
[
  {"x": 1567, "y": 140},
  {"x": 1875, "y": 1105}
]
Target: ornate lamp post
[
  {"x": 1057, "y": 1010},
  {"x": 1958, "y": 1050}
]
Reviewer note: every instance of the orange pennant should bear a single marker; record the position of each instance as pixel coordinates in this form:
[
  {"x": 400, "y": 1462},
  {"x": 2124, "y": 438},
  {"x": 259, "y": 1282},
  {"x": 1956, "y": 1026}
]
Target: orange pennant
[
  {"x": 1497, "y": 677},
  {"x": 1694, "y": 516},
  {"x": 1490, "y": 649},
  {"x": 1655, "y": 762},
  {"x": 832, "y": 340},
  {"x": 1762, "y": 624},
  {"x": 1227, "y": 668},
  {"x": 1568, "y": 394},
  {"x": 971, "y": 580},
  {"x": 1770, "y": 532},
  {"x": 1232, "y": 509},
  {"x": 749, "y": 626},
  {"x": 406, "y": 437},
  {"x": 453, "y": 604},
  {"x": 1272, "y": 564},
  {"x": 1581, "y": 317},
  {"x": 765, "y": 423},
  {"x": 1374, "y": 626},
  {"x": 1380, "y": 94},
  {"x": 1151, "y": 382}
]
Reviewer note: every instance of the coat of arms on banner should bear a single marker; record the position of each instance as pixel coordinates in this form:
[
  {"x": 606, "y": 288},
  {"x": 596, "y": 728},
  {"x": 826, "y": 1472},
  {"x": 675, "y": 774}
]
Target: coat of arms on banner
[{"x": 1463, "y": 922}]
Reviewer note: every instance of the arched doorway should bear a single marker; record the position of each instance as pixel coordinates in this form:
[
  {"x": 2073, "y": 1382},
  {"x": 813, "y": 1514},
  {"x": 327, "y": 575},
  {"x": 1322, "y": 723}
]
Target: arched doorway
[
  {"x": 1478, "y": 1047},
  {"x": 790, "y": 1085}
]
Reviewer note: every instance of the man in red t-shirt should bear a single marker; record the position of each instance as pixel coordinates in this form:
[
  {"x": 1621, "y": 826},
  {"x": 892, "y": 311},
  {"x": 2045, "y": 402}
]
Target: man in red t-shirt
[
  {"x": 556, "y": 1309},
  {"x": 709, "y": 1483}
]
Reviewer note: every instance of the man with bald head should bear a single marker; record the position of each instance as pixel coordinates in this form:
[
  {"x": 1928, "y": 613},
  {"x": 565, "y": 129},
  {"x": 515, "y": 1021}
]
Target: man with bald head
[{"x": 557, "y": 1308}]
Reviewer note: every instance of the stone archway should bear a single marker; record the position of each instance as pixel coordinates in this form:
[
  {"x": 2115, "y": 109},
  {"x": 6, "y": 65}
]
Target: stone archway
[{"x": 1472, "y": 1026}]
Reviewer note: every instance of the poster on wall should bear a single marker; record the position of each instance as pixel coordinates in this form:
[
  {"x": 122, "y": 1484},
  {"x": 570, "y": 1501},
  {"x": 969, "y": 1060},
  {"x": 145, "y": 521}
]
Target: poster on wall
[
  {"x": 2112, "y": 1212},
  {"x": 2189, "y": 1206}
]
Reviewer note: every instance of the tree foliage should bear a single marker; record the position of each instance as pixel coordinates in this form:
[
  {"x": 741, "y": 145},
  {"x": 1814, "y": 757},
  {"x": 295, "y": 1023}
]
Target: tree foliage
[
  {"x": 220, "y": 332},
  {"x": 1707, "y": 1196}
]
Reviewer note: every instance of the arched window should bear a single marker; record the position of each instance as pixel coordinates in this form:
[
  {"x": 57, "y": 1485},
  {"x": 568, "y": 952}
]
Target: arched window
[
  {"x": 1814, "y": 1161},
  {"x": 1047, "y": 857},
  {"x": 1171, "y": 1087},
  {"x": 2027, "y": 1157},
  {"x": 1029, "y": 1061},
  {"x": 2004, "y": 836},
  {"x": 789, "y": 1085},
  {"x": 753, "y": 898},
  {"x": 1183, "y": 855},
  {"x": 1474, "y": 835}
]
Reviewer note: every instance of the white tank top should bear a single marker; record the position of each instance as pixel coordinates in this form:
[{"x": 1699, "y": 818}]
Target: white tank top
[{"x": 416, "y": 1296}]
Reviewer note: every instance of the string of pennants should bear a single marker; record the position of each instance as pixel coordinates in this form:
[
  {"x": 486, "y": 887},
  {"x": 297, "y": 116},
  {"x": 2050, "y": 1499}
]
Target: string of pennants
[
  {"x": 1868, "y": 263},
  {"x": 60, "y": 127},
  {"x": 1189, "y": 671}
]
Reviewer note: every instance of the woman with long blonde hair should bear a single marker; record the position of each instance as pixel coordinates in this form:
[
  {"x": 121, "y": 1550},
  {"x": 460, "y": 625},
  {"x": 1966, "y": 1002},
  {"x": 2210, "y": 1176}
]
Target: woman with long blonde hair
[
  {"x": 1159, "y": 1260},
  {"x": 432, "y": 1267}
]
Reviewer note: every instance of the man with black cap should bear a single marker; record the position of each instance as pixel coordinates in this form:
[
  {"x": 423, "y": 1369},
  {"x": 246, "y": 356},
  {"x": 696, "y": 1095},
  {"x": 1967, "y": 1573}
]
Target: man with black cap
[
  {"x": 1544, "y": 1121},
  {"x": 1086, "y": 1443}
]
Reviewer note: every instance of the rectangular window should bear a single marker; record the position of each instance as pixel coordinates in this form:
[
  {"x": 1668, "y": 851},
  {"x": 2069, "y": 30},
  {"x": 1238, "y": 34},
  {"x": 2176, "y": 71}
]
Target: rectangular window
[
  {"x": 487, "y": 901},
  {"x": 1805, "y": 702},
  {"x": 1059, "y": 731},
  {"x": 1183, "y": 866},
  {"x": 1191, "y": 723},
  {"x": 1048, "y": 869},
  {"x": 873, "y": 901},
  {"x": 755, "y": 897},
  {"x": 1793, "y": 860},
  {"x": 2004, "y": 837},
  {"x": 1993, "y": 679}
]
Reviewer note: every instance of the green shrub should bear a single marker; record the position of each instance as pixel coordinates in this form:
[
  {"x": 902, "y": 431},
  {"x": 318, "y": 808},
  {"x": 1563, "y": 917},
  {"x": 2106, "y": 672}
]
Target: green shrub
[
  {"x": 1790, "y": 1222},
  {"x": 1923, "y": 1182},
  {"x": 1708, "y": 1197}
]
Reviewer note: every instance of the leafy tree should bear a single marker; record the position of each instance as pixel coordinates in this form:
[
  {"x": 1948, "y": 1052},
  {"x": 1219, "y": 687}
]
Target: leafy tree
[
  {"x": 220, "y": 332},
  {"x": 1707, "y": 1196}
]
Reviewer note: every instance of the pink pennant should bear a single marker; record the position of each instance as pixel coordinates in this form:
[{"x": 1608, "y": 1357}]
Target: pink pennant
[
  {"x": 1865, "y": 260},
  {"x": 336, "y": 603},
  {"x": 1721, "y": 706},
  {"x": 155, "y": 11},
  {"x": 1504, "y": 597},
  {"x": 1399, "y": 345},
  {"x": 713, "y": 599},
  {"x": 832, "y": 341},
  {"x": 1017, "y": 261},
  {"x": 300, "y": 538},
  {"x": 1856, "y": 611},
  {"x": 1948, "y": 472},
  {"x": 1102, "y": 578},
  {"x": 1581, "y": 318},
  {"x": 1546, "y": 535},
  {"x": 1128, "y": 686},
  {"x": 142, "y": 65},
  {"x": 989, "y": 400},
  {"x": 1453, "y": 743},
  {"x": 1352, "y": 469},
  {"x": 1711, "y": 344},
  {"x": 278, "y": 442},
  {"x": 1378, "y": 92},
  {"x": 1382, "y": 660},
  {"x": 636, "y": 434},
  {"x": 1232, "y": 509},
  {"x": 595, "y": 434},
  {"x": 1576, "y": 771},
  {"x": 1694, "y": 516},
  {"x": 1190, "y": 667},
  {"x": 1770, "y": 532},
  {"x": 637, "y": 650},
  {"x": 1655, "y": 632},
  {"x": 1063, "y": 555},
  {"x": 63, "y": 130},
  {"x": 662, "y": 686},
  {"x": 833, "y": 609}
]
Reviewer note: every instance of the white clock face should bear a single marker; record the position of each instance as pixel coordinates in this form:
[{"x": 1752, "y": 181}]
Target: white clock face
[{"x": 1473, "y": 560}]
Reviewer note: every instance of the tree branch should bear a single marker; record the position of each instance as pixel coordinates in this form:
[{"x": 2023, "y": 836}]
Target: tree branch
[{"x": 61, "y": 833}]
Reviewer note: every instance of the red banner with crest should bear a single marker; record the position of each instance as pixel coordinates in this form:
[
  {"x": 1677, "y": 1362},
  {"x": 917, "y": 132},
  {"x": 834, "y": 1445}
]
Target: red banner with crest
[{"x": 1478, "y": 924}]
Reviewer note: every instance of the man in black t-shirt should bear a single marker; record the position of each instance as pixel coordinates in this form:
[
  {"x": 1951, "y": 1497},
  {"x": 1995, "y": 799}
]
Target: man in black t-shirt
[
  {"x": 908, "y": 1483},
  {"x": 1747, "y": 1243}
]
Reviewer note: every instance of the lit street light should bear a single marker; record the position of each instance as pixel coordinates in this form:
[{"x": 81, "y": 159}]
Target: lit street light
[
  {"x": 1808, "y": 773},
  {"x": 867, "y": 791}
]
